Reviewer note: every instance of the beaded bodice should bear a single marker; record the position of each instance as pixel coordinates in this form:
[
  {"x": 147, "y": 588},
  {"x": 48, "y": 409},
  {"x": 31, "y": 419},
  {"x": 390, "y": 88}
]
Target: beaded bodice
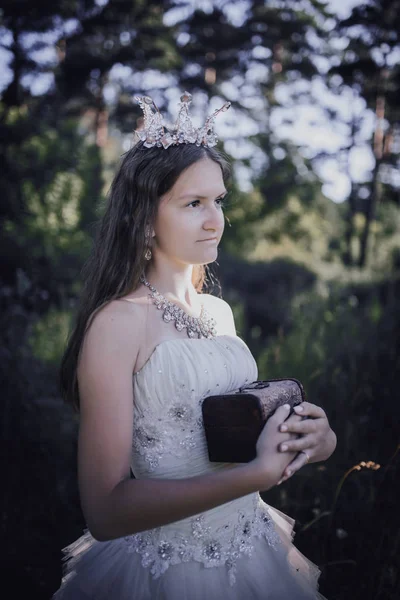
[{"x": 169, "y": 442}]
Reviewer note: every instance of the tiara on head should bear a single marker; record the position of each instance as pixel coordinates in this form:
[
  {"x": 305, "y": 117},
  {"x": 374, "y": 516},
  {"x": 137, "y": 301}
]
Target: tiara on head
[{"x": 156, "y": 133}]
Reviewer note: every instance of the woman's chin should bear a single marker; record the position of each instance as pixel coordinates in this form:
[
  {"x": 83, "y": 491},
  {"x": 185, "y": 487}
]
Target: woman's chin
[{"x": 208, "y": 257}]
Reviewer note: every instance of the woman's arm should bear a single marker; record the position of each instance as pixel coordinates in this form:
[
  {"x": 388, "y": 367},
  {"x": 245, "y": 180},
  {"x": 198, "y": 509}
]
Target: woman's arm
[{"x": 137, "y": 505}]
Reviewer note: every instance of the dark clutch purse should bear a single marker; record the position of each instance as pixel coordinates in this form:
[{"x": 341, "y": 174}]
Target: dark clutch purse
[{"x": 233, "y": 422}]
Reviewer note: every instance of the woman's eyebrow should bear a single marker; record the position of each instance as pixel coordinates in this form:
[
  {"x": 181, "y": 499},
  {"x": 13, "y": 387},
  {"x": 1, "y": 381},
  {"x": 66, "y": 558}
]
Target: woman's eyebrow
[{"x": 184, "y": 196}]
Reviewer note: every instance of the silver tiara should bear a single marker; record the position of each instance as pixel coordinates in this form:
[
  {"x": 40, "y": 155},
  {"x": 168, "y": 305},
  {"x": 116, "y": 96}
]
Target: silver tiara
[{"x": 156, "y": 133}]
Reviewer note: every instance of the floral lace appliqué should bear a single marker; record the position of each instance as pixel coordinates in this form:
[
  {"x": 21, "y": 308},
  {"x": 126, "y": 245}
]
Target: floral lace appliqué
[
  {"x": 162, "y": 547},
  {"x": 173, "y": 430}
]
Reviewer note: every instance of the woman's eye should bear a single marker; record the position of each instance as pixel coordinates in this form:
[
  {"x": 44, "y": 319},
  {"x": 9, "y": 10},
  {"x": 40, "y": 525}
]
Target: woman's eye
[{"x": 220, "y": 202}]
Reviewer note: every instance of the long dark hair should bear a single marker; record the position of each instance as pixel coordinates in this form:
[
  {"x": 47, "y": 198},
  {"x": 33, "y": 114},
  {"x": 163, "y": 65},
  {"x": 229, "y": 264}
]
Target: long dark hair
[{"x": 117, "y": 261}]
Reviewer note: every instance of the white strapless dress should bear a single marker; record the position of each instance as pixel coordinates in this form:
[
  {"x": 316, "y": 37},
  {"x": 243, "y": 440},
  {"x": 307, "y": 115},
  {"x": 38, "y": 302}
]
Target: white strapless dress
[{"x": 241, "y": 550}]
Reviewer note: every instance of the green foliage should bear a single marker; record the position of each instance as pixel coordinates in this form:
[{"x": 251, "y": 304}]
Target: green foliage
[
  {"x": 321, "y": 330},
  {"x": 48, "y": 336},
  {"x": 241, "y": 214},
  {"x": 297, "y": 232},
  {"x": 59, "y": 178}
]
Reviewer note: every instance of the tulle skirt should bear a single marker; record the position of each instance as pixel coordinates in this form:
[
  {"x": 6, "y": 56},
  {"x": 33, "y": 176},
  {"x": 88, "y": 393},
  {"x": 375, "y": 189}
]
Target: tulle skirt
[{"x": 96, "y": 570}]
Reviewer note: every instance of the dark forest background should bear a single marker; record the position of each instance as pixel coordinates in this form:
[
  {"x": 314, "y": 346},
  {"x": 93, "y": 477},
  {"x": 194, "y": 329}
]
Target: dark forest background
[{"x": 315, "y": 285}]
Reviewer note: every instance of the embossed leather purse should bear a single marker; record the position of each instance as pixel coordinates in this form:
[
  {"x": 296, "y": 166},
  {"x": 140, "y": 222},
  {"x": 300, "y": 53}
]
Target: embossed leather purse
[{"x": 233, "y": 422}]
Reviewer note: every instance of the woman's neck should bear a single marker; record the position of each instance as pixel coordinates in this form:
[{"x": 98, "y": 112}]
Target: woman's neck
[{"x": 175, "y": 284}]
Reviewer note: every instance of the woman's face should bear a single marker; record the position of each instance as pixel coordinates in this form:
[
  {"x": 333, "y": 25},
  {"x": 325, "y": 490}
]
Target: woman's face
[{"x": 190, "y": 221}]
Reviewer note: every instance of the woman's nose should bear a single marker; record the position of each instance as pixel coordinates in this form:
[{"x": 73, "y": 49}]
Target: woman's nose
[{"x": 213, "y": 219}]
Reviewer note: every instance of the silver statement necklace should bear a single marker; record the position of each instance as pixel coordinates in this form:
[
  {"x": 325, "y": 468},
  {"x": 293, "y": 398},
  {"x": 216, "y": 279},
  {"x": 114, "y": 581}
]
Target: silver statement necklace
[{"x": 203, "y": 326}]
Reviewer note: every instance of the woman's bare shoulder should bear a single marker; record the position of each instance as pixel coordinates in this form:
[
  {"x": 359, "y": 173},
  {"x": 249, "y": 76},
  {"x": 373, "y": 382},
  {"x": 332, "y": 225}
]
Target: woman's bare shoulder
[
  {"x": 222, "y": 313},
  {"x": 117, "y": 322},
  {"x": 209, "y": 300}
]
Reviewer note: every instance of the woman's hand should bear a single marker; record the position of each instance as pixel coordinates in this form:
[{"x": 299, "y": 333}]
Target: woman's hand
[
  {"x": 316, "y": 441},
  {"x": 270, "y": 462}
]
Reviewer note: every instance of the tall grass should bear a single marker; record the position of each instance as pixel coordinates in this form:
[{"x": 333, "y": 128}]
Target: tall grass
[{"x": 346, "y": 351}]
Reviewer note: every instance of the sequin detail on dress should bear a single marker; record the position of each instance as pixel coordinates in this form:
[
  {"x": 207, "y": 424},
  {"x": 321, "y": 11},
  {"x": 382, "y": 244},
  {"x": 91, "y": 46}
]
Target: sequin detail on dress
[
  {"x": 171, "y": 430},
  {"x": 165, "y": 546}
]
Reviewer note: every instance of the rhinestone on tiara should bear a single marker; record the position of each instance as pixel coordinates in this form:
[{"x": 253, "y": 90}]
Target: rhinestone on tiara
[
  {"x": 203, "y": 326},
  {"x": 156, "y": 133}
]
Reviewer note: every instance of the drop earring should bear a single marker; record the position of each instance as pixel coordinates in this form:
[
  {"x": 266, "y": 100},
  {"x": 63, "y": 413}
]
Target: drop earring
[{"x": 148, "y": 253}]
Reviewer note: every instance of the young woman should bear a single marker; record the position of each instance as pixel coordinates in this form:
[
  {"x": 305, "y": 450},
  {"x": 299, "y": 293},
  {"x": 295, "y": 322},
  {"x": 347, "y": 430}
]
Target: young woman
[{"x": 183, "y": 528}]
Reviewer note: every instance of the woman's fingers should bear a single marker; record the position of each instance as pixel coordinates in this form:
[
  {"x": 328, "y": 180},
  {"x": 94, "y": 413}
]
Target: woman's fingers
[
  {"x": 281, "y": 413},
  {"x": 295, "y": 465},
  {"x": 298, "y": 444},
  {"x": 300, "y": 426},
  {"x": 307, "y": 409}
]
